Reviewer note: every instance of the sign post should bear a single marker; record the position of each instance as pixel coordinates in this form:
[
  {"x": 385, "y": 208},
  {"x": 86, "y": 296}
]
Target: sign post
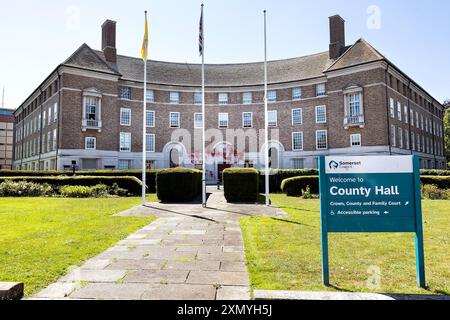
[{"x": 371, "y": 194}]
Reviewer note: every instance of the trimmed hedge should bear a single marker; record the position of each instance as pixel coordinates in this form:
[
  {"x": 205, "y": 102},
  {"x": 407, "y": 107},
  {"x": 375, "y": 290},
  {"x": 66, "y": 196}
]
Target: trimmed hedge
[
  {"x": 277, "y": 177},
  {"x": 131, "y": 184},
  {"x": 435, "y": 172},
  {"x": 293, "y": 186},
  {"x": 178, "y": 185},
  {"x": 442, "y": 182},
  {"x": 241, "y": 185},
  {"x": 151, "y": 175}
]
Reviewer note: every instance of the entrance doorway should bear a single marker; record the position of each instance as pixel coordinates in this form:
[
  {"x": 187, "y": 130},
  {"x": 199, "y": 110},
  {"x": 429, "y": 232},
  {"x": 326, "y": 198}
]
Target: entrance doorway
[{"x": 220, "y": 168}]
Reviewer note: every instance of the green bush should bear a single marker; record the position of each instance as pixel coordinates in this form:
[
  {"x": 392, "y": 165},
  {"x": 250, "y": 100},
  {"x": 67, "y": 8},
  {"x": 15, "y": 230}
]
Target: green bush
[
  {"x": 100, "y": 191},
  {"x": 433, "y": 192},
  {"x": 178, "y": 185},
  {"x": 150, "y": 176},
  {"x": 294, "y": 187},
  {"x": 442, "y": 182},
  {"x": 277, "y": 176},
  {"x": 241, "y": 185},
  {"x": 77, "y": 192},
  {"x": 24, "y": 189},
  {"x": 432, "y": 172},
  {"x": 131, "y": 184},
  {"x": 307, "y": 194},
  {"x": 115, "y": 190}
]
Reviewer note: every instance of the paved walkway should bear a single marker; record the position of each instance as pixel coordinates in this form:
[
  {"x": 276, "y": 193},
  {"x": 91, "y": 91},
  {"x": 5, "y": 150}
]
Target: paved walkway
[{"x": 189, "y": 252}]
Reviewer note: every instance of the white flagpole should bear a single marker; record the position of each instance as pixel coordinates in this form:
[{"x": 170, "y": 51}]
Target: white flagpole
[
  {"x": 266, "y": 122},
  {"x": 144, "y": 131},
  {"x": 203, "y": 115}
]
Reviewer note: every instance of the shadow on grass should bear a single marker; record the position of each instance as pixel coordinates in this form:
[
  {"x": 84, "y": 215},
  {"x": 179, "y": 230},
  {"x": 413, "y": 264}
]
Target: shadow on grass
[
  {"x": 292, "y": 222},
  {"x": 299, "y": 209}
]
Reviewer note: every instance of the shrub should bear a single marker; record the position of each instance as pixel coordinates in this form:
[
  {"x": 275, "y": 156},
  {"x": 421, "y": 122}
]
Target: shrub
[
  {"x": 277, "y": 177},
  {"x": 433, "y": 192},
  {"x": 151, "y": 175},
  {"x": 100, "y": 191},
  {"x": 432, "y": 172},
  {"x": 77, "y": 191},
  {"x": 307, "y": 194},
  {"x": 131, "y": 184},
  {"x": 442, "y": 182},
  {"x": 115, "y": 190},
  {"x": 24, "y": 189},
  {"x": 241, "y": 185},
  {"x": 294, "y": 187},
  {"x": 178, "y": 185}
]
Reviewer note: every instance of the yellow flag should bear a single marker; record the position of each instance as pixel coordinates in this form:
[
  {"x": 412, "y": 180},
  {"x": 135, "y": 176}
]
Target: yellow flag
[{"x": 144, "y": 50}]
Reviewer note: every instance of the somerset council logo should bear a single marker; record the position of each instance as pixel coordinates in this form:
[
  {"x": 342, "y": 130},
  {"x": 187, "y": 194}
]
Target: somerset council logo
[{"x": 333, "y": 164}]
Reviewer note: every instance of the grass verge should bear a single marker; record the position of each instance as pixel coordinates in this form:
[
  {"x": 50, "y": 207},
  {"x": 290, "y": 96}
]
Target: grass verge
[
  {"x": 42, "y": 238},
  {"x": 285, "y": 254}
]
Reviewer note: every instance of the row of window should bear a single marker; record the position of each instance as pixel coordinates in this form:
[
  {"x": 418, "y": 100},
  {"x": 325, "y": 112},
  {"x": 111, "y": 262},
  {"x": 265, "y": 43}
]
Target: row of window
[
  {"x": 297, "y": 141},
  {"x": 31, "y": 148},
  {"x": 403, "y": 89},
  {"x": 46, "y": 94},
  {"x": 223, "y": 98},
  {"x": 400, "y": 138},
  {"x": 90, "y": 143},
  {"x": 421, "y": 122},
  {"x": 321, "y": 140},
  {"x": 223, "y": 118},
  {"x": 34, "y": 125}
]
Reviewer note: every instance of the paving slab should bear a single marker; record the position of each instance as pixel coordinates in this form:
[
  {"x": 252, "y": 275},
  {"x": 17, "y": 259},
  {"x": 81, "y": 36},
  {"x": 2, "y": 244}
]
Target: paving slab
[
  {"x": 233, "y": 293},
  {"x": 146, "y": 264},
  {"x": 219, "y": 278},
  {"x": 180, "y": 292},
  {"x": 231, "y": 266},
  {"x": 194, "y": 265},
  {"x": 11, "y": 290},
  {"x": 311, "y": 295},
  {"x": 157, "y": 276},
  {"x": 187, "y": 253},
  {"x": 94, "y": 275},
  {"x": 58, "y": 290},
  {"x": 111, "y": 291}
]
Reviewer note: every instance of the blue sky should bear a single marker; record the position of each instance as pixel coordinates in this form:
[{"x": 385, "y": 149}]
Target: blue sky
[{"x": 35, "y": 36}]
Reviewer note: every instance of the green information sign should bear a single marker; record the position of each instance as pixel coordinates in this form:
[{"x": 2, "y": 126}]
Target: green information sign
[{"x": 371, "y": 194}]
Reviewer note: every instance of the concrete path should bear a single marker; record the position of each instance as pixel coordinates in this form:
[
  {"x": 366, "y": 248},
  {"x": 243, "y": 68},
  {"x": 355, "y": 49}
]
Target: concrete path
[{"x": 189, "y": 252}]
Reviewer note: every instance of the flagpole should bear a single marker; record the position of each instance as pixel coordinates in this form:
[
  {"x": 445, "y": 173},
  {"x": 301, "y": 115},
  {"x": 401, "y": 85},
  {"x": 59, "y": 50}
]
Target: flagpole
[
  {"x": 144, "y": 130},
  {"x": 266, "y": 119},
  {"x": 203, "y": 116}
]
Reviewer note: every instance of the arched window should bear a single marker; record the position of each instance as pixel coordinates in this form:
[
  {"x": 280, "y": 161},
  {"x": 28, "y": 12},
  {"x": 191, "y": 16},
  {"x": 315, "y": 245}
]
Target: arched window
[
  {"x": 274, "y": 158},
  {"x": 174, "y": 158}
]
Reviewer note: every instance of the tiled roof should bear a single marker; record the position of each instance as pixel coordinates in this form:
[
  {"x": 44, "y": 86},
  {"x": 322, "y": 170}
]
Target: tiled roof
[
  {"x": 86, "y": 58},
  {"x": 359, "y": 53},
  {"x": 169, "y": 73},
  {"x": 223, "y": 75},
  {"x": 219, "y": 75}
]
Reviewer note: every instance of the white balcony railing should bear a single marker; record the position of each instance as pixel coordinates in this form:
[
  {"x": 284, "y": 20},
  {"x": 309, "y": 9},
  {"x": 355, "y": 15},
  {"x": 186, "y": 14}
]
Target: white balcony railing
[
  {"x": 91, "y": 124},
  {"x": 354, "y": 121}
]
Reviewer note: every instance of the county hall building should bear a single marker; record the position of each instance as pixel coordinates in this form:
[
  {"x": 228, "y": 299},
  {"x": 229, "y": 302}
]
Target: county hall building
[{"x": 348, "y": 100}]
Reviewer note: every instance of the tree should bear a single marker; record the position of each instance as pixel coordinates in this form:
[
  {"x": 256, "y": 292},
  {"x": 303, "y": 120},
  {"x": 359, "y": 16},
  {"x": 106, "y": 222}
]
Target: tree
[{"x": 447, "y": 129}]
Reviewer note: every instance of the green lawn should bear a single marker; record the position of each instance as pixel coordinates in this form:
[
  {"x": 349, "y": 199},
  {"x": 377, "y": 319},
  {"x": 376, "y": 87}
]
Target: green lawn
[
  {"x": 284, "y": 254},
  {"x": 40, "y": 238}
]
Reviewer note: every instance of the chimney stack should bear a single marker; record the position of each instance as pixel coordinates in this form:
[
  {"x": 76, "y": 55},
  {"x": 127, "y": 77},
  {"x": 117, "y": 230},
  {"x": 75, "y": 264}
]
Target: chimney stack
[
  {"x": 337, "y": 36},
  {"x": 109, "y": 41}
]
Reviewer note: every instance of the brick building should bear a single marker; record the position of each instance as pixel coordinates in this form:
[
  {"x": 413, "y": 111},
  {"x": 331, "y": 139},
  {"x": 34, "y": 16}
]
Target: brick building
[
  {"x": 6, "y": 138},
  {"x": 349, "y": 100}
]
